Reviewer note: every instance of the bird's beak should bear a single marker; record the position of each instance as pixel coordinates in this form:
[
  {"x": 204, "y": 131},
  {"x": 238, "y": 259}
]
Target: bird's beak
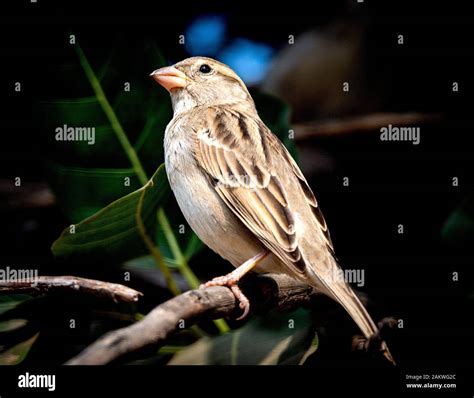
[{"x": 169, "y": 77}]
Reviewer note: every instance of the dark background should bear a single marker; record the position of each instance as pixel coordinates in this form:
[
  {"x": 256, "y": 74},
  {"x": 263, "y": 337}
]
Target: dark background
[{"x": 409, "y": 275}]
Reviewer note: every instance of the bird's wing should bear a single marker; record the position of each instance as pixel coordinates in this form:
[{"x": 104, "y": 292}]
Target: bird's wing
[{"x": 238, "y": 152}]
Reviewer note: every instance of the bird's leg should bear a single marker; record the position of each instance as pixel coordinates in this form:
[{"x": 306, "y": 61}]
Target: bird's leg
[{"x": 231, "y": 280}]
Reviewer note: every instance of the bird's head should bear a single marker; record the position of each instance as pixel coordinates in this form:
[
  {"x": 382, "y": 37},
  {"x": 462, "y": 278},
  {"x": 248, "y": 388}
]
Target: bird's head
[{"x": 201, "y": 81}]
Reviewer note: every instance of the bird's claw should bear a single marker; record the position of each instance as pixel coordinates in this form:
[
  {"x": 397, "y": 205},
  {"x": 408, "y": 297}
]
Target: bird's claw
[{"x": 231, "y": 282}]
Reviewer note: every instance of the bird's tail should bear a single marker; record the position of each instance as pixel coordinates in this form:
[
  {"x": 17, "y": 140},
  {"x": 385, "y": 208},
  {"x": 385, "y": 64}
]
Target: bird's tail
[{"x": 340, "y": 291}]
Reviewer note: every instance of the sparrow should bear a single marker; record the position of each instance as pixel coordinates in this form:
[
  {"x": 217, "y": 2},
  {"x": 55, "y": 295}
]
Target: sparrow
[{"x": 241, "y": 191}]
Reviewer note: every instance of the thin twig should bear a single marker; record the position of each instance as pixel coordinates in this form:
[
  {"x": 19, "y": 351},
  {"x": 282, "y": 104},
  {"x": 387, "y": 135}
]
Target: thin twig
[
  {"x": 265, "y": 292},
  {"x": 363, "y": 123},
  {"x": 53, "y": 284}
]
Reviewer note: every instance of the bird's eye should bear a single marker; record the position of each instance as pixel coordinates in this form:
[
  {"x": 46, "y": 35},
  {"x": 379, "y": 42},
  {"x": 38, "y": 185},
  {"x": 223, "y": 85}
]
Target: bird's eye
[{"x": 205, "y": 68}]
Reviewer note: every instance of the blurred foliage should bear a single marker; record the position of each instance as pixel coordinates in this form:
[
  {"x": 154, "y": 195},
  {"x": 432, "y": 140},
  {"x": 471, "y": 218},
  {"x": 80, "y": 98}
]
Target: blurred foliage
[
  {"x": 84, "y": 177},
  {"x": 16, "y": 341},
  {"x": 458, "y": 230},
  {"x": 17, "y": 353},
  {"x": 275, "y": 339}
]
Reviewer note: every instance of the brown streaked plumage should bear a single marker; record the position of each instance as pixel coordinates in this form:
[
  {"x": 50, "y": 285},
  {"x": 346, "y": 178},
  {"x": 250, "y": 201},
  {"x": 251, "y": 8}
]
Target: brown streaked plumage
[{"x": 241, "y": 191}]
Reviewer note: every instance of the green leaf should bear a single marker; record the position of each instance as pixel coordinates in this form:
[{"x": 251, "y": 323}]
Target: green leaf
[
  {"x": 277, "y": 338},
  {"x": 148, "y": 262},
  {"x": 16, "y": 354},
  {"x": 8, "y": 303},
  {"x": 11, "y": 323},
  {"x": 114, "y": 232},
  {"x": 311, "y": 350}
]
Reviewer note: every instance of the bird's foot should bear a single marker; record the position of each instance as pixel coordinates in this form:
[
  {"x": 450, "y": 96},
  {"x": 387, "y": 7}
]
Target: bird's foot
[{"x": 231, "y": 281}]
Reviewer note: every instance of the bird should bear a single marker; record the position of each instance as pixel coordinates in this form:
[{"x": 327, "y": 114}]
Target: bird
[{"x": 241, "y": 191}]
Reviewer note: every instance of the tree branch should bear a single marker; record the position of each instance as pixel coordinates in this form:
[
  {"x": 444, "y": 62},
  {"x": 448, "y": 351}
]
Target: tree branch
[
  {"x": 264, "y": 291},
  {"x": 50, "y": 284},
  {"x": 362, "y": 123}
]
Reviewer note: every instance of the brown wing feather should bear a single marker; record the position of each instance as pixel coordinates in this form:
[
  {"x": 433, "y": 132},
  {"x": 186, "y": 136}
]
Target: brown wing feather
[
  {"x": 234, "y": 150},
  {"x": 310, "y": 199}
]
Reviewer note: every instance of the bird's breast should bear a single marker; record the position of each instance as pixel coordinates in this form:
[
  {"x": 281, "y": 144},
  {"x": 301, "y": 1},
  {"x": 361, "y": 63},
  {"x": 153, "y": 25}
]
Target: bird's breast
[{"x": 204, "y": 211}]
